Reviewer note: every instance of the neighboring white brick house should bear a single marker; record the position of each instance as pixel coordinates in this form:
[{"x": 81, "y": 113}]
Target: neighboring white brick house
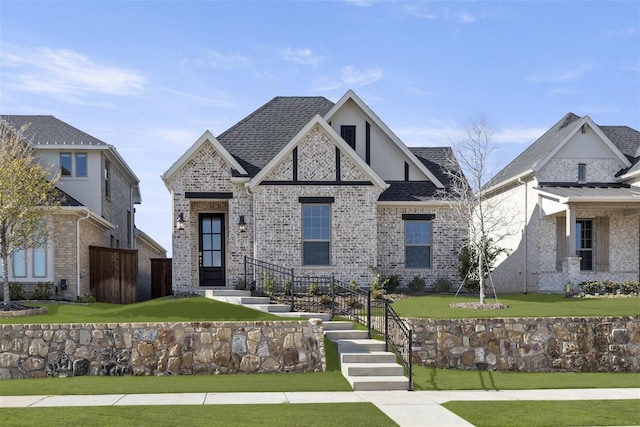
[
  {"x": 323, "y": 188},
  {"x": 100, "y": 193},
  {"x": 577, "y": 194}
]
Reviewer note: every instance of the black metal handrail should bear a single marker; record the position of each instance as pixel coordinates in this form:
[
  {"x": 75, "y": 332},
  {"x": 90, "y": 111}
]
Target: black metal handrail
[
  {"x": 399, "y": 336},
  {"x": 326, "y": 294}
]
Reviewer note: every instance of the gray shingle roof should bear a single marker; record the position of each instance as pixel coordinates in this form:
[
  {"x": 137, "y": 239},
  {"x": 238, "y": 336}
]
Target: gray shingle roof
[
  {"x": 43, "y": 130},
  {"x": 626, "y": 139},
  {"x": 537, "y": 151},
  {"x": 260, "y": 136}
]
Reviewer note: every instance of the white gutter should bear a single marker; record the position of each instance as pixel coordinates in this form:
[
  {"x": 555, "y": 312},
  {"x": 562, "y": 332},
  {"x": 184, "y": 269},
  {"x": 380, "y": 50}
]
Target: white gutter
[
  {"x": 524, "y": 231},
  {"x": 78, "y": 252}
]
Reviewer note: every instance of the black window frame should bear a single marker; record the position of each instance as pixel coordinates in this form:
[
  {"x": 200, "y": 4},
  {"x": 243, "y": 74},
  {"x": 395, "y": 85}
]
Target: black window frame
[
  {"x": 310, "y": 244},
  {"x": 348, "y": 133},
  {"x": 585, "y": 248},
  {"x": 408, "y": 246}
]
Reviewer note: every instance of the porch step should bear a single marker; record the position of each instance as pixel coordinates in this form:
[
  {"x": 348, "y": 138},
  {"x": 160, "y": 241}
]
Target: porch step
[
  {"x": 226, "y": 293},
  {"x": 270, "y": 308},
  {"x": 368, "y": 357},
  {"x": 350, "y": 345},
  {"x": 363, "y": 362},
  {"x": 346, "y": 334},
  {"x": 306, "y": 315},
  {"x": 379, "y": 383},
  {"x": 361, "y": 369}
]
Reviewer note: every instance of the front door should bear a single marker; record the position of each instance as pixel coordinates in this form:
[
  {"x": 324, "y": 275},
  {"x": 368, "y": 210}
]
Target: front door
[{"x": 211, "y": 251}]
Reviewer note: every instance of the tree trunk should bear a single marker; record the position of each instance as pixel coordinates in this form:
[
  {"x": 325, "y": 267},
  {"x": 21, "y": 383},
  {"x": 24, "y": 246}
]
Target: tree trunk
[
  {"x": 5, "y": 281},
  {"x": 481, "y": 275}
]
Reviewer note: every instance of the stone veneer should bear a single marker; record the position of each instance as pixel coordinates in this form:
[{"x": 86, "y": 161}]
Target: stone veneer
[
  {"x": 591, "y": 344},
  {"x": 64, "y": 350}
]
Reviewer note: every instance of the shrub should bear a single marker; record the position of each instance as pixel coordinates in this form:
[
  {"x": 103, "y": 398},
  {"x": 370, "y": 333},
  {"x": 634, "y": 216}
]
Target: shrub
[
  {"x": 240, "y": 284},
  {"x": 472, "y": 285},
  {"x": 377, "y": 293},
  {"x": 87, "y": 299},
  {"x": 417, "y": 284},
  {"x": 443, "y": 284},
  {"x": 353, "y": 302},
  {"x": 268, "y": 283},
  {"x": 354, "y": 285},
  {"x": 391, "y": 283},
  {"x": 611, "y": 287},
  {"x": 376, "y": 283},
  {"x": 325, "y": 299},
  {"x": 590, "y": 287},
  {"x": 16, "y": 291},
  {"x": 630, "y": 287},
  {"x": 42, "y": 291},
  {"x": 314, "y": 287},
  {"x": 288, "y": 287}
]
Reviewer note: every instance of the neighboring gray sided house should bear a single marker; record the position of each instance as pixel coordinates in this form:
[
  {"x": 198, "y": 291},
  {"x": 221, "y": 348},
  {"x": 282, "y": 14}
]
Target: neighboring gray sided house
[
  {"x": 576, "y": 191},
  {"x": 320, "y": 187},
  {"x": 100, "y": 191}
]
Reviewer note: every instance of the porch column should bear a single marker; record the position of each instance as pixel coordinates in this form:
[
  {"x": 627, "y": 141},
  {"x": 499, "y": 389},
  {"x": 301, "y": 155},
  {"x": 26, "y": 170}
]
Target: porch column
[{"x": 570, "y": 232}]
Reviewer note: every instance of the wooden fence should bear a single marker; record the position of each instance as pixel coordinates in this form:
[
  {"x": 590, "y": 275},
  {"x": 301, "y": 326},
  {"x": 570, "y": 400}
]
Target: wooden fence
[
  {"x": 113, "y": 275},
  {"x": 160, "y": 277}
]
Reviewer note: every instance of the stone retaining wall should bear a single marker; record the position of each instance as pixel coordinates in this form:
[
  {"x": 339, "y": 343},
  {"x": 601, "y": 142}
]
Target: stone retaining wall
[
  {"x": 64, "y": 350},
  {"x": 593, "y": 344}
]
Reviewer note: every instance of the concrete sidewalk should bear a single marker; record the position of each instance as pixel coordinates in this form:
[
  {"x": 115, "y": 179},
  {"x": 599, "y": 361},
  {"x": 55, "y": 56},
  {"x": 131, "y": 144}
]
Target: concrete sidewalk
[{"x": 407, "y": 408}]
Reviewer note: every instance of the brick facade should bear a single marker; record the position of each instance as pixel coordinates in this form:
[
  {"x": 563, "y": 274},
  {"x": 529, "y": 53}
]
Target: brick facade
[{"x": 363, "y": 235}]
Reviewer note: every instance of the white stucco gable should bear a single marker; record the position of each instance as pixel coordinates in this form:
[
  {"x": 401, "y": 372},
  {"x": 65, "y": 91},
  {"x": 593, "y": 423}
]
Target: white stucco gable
[
  {"x": 335, "y": 139},
  {"x": 384, "y": 153},
  {"x": 591, "y": 146},
  {"x": 206, "y": 138}
]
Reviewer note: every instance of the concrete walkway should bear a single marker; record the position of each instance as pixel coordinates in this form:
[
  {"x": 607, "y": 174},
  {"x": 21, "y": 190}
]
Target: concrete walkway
[{"x": 407, "y": 408}]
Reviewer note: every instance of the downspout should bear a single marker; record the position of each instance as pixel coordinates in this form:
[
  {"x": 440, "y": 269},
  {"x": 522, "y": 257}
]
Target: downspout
[
  {"x": 524, "y": 230},
  {"x": 78, "y": 252}
]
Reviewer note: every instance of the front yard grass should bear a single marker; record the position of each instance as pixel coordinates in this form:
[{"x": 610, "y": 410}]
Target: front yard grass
[
  {"x": 520, "y": 305},
  {"x": 193, "y": 309},
  {"x": 548, "y": 413},
  {"x": 325, "y": 414}
]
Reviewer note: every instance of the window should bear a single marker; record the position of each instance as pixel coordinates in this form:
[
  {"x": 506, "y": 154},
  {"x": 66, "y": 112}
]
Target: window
[
  {"x": 348, "y": 133},
  {"x": 316, "y": 234},
  {"x": 584, "y": 243},
  {"x": 39, "y": 262},
  {"x": 20, "y": 263},
  {"x": 582, "y": 172},
  {"x": 107, "y": 179},
  {"x": 81, "y": 164},
  {"x": 65, "y": 164},
  {"x": 417, "y": 244}
]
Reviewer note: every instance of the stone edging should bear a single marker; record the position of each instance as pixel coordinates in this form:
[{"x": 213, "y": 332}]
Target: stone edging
[{"x": 22, "y": 313}]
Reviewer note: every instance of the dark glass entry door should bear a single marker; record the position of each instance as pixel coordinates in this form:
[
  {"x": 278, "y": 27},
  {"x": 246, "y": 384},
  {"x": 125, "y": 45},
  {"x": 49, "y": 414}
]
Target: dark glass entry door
[{"x": 211, "y": 251}]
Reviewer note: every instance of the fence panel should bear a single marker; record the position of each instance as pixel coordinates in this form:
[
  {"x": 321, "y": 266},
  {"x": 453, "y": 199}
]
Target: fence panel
[
  {"x": 161, "y": 269},
  {"x": 113, "y": 275}
]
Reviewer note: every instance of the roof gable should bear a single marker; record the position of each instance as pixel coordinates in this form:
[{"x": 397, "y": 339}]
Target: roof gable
[
  {"x": 206, "y": 138},
  {"x": 255, "y": 140},
  {"x": 350, "y": 95},
  {"x": 335, "y": 139},
  {"x": 534, "y": 157}
]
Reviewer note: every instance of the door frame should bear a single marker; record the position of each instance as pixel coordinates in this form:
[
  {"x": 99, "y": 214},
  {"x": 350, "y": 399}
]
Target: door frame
[{"x": 221, "y": 282}]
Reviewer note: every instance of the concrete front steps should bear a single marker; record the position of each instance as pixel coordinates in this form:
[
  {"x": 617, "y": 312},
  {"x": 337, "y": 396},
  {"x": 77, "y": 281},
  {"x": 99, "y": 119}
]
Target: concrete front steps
[
  {"x": 244, "y": 298},
  {"x": 364, "y": 362}
]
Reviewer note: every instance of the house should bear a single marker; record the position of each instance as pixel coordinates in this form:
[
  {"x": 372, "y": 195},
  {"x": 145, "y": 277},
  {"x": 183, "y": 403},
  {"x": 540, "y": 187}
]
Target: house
[
  {"x": 319, "y": 187},
  {"x": 98, "y": 209},
  {"x": 576, "y": 191}
]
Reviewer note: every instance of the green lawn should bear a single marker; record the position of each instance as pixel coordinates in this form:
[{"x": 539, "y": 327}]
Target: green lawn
[
  {"x": 156, "y": 310},
  {"x": 548, "y": 413},
  {"x": 311, "y": 415},
  {"x": 530, "y": 305}
]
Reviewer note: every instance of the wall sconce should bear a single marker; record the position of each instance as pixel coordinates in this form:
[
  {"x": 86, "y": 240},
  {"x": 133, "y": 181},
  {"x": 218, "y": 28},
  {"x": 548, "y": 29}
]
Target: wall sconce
[
  {"x": 180, "y": 222},
  {"x": 242, "y": 225}
]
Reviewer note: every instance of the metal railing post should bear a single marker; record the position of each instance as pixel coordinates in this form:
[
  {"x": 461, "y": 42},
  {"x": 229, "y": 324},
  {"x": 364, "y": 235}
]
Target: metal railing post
[
  {"x": 410, "y": 357},
  {"x": 369, "y": 312},
  {"x": 292, "y": 289},
  {"x": 386, "y": 326}
]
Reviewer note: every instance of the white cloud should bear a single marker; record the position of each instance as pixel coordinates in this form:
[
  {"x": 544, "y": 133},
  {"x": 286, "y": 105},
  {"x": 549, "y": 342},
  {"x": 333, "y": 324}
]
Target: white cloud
[
  {"x": 465, "y": 17},
  {"x": 224, "y": 60},
  {"x": 67, "y": 74},
  {"x": 420, "y": 11},
  {"x": 300, "y": 56},
  {"x": 447, "y": 134},
  {"x": 561, "y": 75},
  {"x": 620, "y": 32},
  {"x": 350, "y": 77}
]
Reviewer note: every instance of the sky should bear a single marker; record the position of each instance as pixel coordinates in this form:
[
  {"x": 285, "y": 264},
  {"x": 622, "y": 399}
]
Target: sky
[{"x": 150, "y": 77}]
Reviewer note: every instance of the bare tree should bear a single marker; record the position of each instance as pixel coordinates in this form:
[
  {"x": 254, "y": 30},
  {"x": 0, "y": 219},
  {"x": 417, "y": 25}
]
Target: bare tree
[
  {"x": 468, "y": 174},
  {"x": 27, "y": 197}
]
